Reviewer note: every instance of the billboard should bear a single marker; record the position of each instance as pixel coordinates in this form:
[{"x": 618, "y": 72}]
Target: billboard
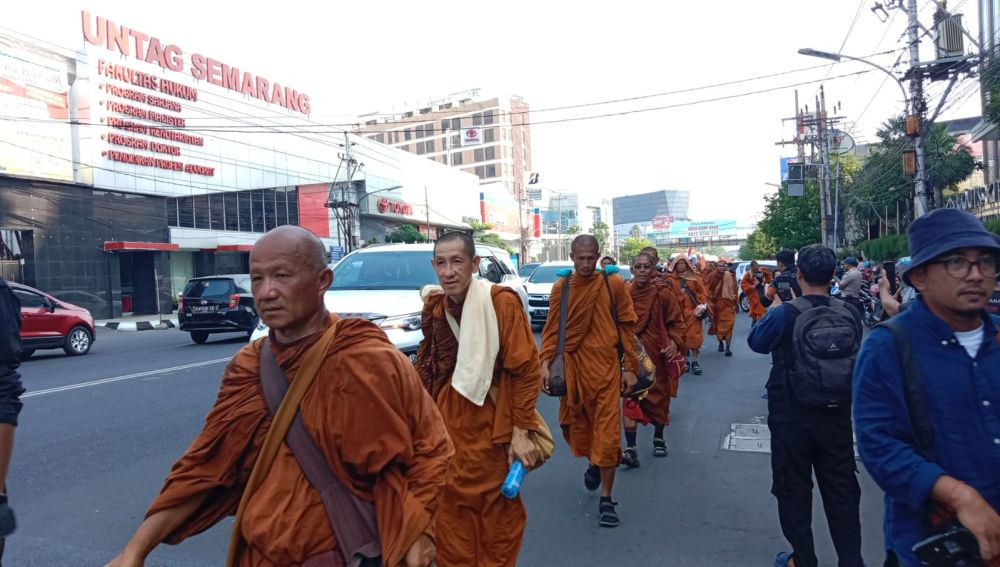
[
  {"x": 500, "y": 209},
  {"x": 35, "y": 90},
  {"x": 698, "y": 230}
]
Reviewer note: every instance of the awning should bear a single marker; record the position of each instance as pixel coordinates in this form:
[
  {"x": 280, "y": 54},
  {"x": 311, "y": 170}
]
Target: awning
[
  {"x": 984, "y": 131},
  {"x": 234, "y": 248},
  {"x": 123, "y": 246}
]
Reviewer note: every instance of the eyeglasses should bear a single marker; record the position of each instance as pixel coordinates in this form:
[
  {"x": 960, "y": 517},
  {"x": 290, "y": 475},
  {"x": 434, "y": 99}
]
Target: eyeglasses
[{"x": 959, "y": 267}]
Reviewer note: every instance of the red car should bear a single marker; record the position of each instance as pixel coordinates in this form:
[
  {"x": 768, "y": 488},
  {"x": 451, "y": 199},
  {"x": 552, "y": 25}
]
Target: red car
[{"x": 47, "y": 322}]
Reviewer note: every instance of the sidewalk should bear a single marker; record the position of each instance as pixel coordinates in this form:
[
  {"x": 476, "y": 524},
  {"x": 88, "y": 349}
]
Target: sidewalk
[{"x": 139, "y": 322}]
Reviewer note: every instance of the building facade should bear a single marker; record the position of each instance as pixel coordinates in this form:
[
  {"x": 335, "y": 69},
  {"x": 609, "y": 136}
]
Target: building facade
[
  {"x": 128, "y": 173},
  {"x": 649, "y": 211},
  {"x": 984, "y": 201}
]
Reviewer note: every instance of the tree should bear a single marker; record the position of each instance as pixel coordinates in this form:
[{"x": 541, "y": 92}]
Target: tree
[
  {"x": 881, "y": 184},
  {"x": 631, "y": 248},
  {"x": 637, "y": 232},
  {"x": 759, "y": 246},
  {"x": 602, "y": 233},
  {"x": 792, "y": 222},
  {"x": 406, "y": 233},
  {"x": 480, "y": 234}
]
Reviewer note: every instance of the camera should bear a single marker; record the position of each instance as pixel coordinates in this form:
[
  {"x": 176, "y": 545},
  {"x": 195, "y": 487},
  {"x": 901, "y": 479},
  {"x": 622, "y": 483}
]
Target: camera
[
  {"x": 783, "y": 286},
  {"x": 759, "y": 276},
  {"x": 951, "y": 546}
]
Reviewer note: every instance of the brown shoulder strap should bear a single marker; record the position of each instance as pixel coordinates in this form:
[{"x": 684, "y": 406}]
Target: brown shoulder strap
[{"x": 280, "y": 423}]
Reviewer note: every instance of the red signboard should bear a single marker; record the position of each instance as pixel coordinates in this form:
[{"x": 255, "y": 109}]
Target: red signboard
[{"x": 395, "y": 207}]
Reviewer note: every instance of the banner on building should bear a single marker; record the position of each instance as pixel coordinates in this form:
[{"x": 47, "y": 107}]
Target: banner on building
[{"x": 35, "y": 90}]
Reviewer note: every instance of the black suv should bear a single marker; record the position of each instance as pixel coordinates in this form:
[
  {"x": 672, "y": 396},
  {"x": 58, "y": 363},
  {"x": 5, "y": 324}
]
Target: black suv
[{"x": 217, "y": 304}]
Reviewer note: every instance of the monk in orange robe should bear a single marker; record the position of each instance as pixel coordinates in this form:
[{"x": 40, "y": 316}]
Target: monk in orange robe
[
  {"x": 752, "y": 286},
  {"x": 695, "y": 303},
  {"x": 712, "y": 276},
  {"x": 725, "y": 304},
  {"x": 667, "y": 281},
  {"x": 590, "y": 413},
  {"x": 660, "y": 328},
  {"x": 367, "y": 411},
  {"x": 489, "y": 420}
]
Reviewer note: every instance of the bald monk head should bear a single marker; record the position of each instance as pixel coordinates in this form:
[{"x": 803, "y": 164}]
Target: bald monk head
[
  {"x": 654, "y": 254},
  {"x": 584, "y": 251},
  {"x": 455, "y": 262},
  {"x": 288, "y": 277}
]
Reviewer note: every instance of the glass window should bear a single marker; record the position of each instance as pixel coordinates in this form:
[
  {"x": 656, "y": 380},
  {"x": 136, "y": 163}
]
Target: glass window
[
  {"x": 217, "y": 213},
  {"x": 257, "y": 210},
  {"x": 29, "y": 299},
  {"x": 456, "y": 158},
  {"x": 456, "y": 123},
  {"x": 185, "y": 212},
  {"x": 477, "y": 154},
  {"x": 488, "y": 117},
  {"x": 429, "y": 146},
  {"x": 384, "y": 270},
  {"x": 243, "y": 203},
  {"x": 405, "y": 147},
  {"x": 489, "y": 135},
  {"x": 480, "y": 171},
  {"x": 456, "y": 141},
  {"x": 232, "y": 211},
  {"x": 171, "y": 212},
  {"x": 491, "y": 153},
  {"x": 270, "y": 213},
  {"x": 201, "y": 212},
  {"x": 489, "y": 269},
  {"x": 380, "y": 137},
  {"x": 420, "y": 148},
  {"x": 407, "y": 134},
  {"x": 220, "y": 287},
  {"x": 280, "y": 205},
  {"x": 445, "y": 124},
  {"x": 293, "y": 206},
  {"x": 477, "y": 119},
  {"x": 491, "y": 170}
]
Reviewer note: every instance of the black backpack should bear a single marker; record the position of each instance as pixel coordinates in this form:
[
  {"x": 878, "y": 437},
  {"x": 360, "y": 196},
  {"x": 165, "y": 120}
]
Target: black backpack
[{"x": 826, "y": 337}]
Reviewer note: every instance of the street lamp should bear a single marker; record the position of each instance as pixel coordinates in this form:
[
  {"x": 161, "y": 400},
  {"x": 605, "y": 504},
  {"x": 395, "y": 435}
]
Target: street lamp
[{"x": 920, "y": 197}]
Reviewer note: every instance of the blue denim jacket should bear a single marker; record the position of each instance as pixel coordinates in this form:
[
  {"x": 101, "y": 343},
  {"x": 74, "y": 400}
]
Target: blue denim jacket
[{"x": 963, "y": 404}]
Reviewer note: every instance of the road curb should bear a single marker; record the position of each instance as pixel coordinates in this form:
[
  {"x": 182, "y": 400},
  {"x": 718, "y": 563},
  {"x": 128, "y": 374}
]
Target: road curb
[{"x": 132, "y": 326}]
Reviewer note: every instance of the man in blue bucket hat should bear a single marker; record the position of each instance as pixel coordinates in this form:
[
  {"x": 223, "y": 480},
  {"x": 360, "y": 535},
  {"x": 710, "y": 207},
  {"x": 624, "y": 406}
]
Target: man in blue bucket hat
[{"x": 927, "y": 396}]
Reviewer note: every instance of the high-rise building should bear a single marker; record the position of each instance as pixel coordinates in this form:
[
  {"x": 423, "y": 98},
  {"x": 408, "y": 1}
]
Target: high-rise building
[
  {"x": 986, "y": 204},
  {"x": 434, "y": 129},
  {"x": 648, "y": 210}
]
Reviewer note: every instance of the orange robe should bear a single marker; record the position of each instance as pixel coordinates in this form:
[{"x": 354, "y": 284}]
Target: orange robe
[
  {"x": 724, "y": 315},
  {"x": 590, "y": 412},
  {"x": 713, "y": 281},
  {"x": 748, "y": 285},
  {"x": 659, "y": 322},
  {"x": 476, "y": 525},
  {"x": 378, "y": 428},
  {"x": 694, "y": 333}
]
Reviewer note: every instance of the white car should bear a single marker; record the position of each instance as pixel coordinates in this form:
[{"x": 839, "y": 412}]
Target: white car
[
  {"x": 382, "y": 284},
  {"x": 539, "y": 287}
]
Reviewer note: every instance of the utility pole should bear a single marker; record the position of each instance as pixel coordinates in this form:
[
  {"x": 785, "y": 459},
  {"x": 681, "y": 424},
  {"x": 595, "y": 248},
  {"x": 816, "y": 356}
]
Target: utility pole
[
  {"x": 342, "y": 201},
  {"x": 836, "y": 206},
  {"x": 427, "y": 211},
  {"x": 919, "y": 106},
  {"x": 824, "y": 181}
]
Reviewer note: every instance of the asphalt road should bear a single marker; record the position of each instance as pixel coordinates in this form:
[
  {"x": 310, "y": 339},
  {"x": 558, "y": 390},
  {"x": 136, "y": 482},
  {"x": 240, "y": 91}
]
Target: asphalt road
[{"x": 99, "y": 433}]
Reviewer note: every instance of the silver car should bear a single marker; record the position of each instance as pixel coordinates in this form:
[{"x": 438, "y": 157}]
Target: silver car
[
  {"x": 539, "y": 287},
  {"x": 382, "y": 284}
]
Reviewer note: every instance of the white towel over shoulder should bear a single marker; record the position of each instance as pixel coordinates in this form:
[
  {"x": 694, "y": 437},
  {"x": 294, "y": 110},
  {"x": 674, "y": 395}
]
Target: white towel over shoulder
[{"x": 478, "y": 342}]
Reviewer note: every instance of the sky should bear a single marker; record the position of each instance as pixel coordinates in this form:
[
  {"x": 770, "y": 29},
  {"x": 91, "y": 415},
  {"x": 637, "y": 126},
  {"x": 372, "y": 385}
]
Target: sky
[{"x": 373, "y": 56}]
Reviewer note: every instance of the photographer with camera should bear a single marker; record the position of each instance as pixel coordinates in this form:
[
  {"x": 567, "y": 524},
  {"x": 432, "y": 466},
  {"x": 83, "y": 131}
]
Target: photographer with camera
[
  {"x": 10, "y": 395},
  {"x": 812, "y": 339},
  {"x": 784, "y": 283},
  {"x": 927, "y": 399}
]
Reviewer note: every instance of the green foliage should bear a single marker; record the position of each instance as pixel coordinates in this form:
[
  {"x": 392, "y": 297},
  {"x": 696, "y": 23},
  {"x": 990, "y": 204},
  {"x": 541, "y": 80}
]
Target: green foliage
[
  {"x": 630, "y": 248},
  {"x": 881, "y": 184},
  {"x": 371, "y": 241},
  {"x": 891, "y": 247},
  {"x": 791, "y": 222},
  {"x": 406, "y": 233},
  {"x": 637, "y": 232},
  {"x": 759, "y": 246},
  {"x": 480, "y": 234},
  {"x": 994, "y": 226},
  {"x": 602, "y": 232}
]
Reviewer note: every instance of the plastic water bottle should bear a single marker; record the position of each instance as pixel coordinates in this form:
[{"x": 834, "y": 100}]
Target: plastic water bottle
[{"x": 512, "y": 484}]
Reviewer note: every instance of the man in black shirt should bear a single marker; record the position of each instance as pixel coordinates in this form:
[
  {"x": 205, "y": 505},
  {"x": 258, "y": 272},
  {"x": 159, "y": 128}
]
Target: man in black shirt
[{"x": 10, "y": 394}]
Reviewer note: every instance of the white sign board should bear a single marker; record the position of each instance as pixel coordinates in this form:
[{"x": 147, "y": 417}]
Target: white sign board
[{"x": 472, "y": 136}]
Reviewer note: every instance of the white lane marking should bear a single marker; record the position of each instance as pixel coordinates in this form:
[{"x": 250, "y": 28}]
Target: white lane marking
[{"x": 125, "y": 377}]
